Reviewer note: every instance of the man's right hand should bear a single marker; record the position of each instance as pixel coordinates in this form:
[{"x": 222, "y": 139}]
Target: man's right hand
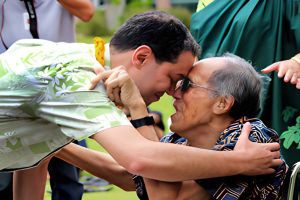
[
  {"x": 259, "y": 158},
  {"x": 122, "y": 90}
]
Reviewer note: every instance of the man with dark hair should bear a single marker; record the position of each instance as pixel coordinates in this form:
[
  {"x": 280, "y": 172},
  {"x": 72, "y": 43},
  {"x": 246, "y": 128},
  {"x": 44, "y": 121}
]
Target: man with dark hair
[
  {"x": 166, "y": 35},
  {"x": 61, "y": 101}
]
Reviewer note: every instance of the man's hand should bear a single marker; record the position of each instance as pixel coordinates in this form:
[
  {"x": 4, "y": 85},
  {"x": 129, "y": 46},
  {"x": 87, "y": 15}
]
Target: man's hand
[
  {"x": 260, "y": 158},
  {"x": 287, "y": 69},
  {"x": 121, "y": 89}
]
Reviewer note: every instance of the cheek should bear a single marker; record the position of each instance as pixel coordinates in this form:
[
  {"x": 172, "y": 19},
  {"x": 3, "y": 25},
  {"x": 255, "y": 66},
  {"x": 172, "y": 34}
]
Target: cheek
[
  {"x": 162, "y": 81},
  {"x": 145, "y": 84},
  {"x": 190, "y": 112},
  {"x": 157, "y": 88},
  {"x": 183, "y": 120},
  {"x": 196, "y": 108},
  {"x": 156, "y": 81}
]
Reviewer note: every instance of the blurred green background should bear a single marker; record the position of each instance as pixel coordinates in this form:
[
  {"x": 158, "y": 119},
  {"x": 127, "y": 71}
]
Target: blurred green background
[{"x": 100, "y": 25}]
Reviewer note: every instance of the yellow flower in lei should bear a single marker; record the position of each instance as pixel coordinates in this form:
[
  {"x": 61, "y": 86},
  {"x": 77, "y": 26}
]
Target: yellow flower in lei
[{"x": 99, "y": 49}]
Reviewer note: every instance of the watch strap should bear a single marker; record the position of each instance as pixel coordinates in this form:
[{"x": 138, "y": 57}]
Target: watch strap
[{"x": 145, "y": 121}]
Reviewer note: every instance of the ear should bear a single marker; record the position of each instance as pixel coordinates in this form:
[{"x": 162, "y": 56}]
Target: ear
[
  {"x": 141, "y": 55},
  {"x": 223, "y": 105}
]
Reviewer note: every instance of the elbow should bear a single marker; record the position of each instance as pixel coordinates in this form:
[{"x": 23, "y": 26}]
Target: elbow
[{"x": 137, "y": 166}]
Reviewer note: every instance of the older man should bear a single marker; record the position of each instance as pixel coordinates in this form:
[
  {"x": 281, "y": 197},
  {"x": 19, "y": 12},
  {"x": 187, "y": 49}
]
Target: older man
[{"x": 212, "y": 104}]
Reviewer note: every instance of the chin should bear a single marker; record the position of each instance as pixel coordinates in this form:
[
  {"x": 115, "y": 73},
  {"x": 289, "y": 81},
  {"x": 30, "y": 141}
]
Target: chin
[{"x": 174, "y": 128}]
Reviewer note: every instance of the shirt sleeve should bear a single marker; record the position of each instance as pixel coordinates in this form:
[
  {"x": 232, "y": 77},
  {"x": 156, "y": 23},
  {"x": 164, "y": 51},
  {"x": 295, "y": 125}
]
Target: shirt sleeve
[
  {"x": 81, "y": 114},
  {"x": 45, "y": 101}
]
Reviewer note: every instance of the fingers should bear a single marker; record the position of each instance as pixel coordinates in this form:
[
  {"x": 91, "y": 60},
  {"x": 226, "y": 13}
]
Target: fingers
[
  {"x": 271, "y": 167},
  {"x": 270, "y": 68},
  {"x": 95, "y": 81},
  {"x": 274, "y": 146},
  {"x": 117, "y": 98},
  {"x": 267, "y": 171},
  {"x": 100, "y": 77},
  {"x": 276, "y": 162},
  {"x": 294, "y": 79},
  {"x": 298, "y": 83},
  {"x": 99, "y": 69},
  {"x": 281, "y": 70},
  {"x": 276, "y": 154},
  {"x": 105, "y": 75},
  {"x": 288, "y": 69},
  {"x": 111, "y": 83},
  {"x": 288, "y": 75}
]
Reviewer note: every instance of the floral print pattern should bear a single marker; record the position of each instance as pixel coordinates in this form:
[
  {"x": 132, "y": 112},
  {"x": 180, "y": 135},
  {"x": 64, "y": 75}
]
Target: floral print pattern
[{"x": 45, "y": 101}]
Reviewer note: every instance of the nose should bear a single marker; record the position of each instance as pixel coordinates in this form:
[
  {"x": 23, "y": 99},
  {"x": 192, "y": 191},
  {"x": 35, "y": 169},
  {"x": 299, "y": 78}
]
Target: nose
[
  {"x": 172, "y": 88},
  {"x": 177, "y": 94}
]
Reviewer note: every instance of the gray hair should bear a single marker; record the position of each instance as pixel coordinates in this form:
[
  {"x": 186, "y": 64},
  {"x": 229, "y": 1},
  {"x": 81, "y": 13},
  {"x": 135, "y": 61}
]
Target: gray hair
[{"x": 238, "y": 79}]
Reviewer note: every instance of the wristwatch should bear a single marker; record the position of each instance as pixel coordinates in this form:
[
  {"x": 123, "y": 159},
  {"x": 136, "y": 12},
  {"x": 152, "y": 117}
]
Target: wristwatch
[{"x": 145, "y": 121}]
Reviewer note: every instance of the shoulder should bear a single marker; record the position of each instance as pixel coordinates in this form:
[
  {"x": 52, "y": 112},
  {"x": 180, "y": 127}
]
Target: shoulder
[{"x": 259, "y": 133}]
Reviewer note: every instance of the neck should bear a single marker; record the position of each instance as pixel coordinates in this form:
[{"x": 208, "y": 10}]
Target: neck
[{"x": 206, "y": 136}]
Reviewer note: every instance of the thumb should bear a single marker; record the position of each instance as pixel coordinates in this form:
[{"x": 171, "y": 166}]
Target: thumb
[
  {"x": 270, "y": 68},
  {"x": 245, "y": 132},
  {"x": 99, "y": 69}
]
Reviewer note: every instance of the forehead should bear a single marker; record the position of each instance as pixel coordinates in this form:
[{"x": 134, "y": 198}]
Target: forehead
[
  {"x": 184, "y": 64},
  {"x": 204, "y": 68}
]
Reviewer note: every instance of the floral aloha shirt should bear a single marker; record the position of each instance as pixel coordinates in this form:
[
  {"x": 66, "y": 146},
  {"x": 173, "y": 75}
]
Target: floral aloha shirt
[{"x": 45, "y": 101}]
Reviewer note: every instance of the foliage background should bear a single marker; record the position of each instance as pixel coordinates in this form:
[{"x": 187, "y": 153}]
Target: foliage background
[{"x": 98, "y": 27}]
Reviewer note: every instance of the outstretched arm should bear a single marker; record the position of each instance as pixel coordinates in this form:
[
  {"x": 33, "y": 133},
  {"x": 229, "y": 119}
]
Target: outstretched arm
[
  {"x": 83, "y": 9},
  {"x": 171, "y": 162},
  {"x": 287, "y": 69}
]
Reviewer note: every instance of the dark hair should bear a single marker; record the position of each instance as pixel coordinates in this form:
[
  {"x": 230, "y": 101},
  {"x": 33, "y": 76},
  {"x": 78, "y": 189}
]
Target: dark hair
[
  {"x": 240, "y": 80},
  {"x": 166, "y": 35}
]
